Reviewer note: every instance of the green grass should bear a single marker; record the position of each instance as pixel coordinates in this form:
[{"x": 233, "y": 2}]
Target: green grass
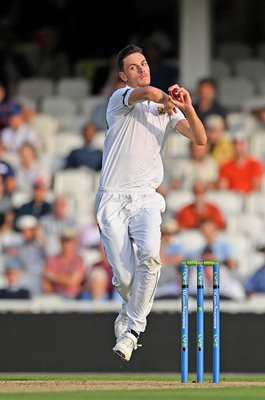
[
  {"x": 90, "y": 377},
  {"x": 191, "y": 391},
  {"x": 188, "y": 394},
  {"x": 126, "y": 377},
  {"x": 176, "y": 394}
]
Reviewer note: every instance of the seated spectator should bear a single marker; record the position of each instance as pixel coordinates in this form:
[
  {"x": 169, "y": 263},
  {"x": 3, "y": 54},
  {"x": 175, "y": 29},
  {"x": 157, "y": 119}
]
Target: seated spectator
[
  {"x": 31, "y": 253},
  {"x": 207, "y": 100},
  {"x": 30, "y": 168},
  {"x": 191, "y": 215},
  {"x": 38, "y": 206},
  {"x": 44, "y": 124},
  {"x": 216, "y": 249},
  {"x": 255, "y": 115},
  {"x": 88, "y": 155},
  {"x": 55, "y": 223},
  {"x": 200, "y": 166},
  {"x": 104, "y": 264},
  {"x": 171, "y": 254},
  {"x": 14, "y": 288},
  {"x": 88, "y": 236},
  {"x": 17, "y": 132},
  {"x": 244, "y": 173},
  {"x": 65, "y": 274},
  {"x": 255, "y": 284},
  {"x": 30, "y": 111},
  {"x": 7, "y": 172},
  {"x": 5, "y": 198},
  {"x": 96, "y": 286},
  {"x": 6, "y": 104},
  {"x": 9, "y": 236},
  {"x": 220, "y": 144}
]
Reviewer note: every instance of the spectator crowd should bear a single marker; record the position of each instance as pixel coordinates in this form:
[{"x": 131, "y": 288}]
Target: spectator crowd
[{"x": 49, "y": 239}]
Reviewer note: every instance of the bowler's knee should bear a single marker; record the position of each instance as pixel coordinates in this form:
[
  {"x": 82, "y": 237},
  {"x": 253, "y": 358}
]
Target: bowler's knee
[
  {"x": 123, "y": 285},
  {"x": 152, "y": 263}
]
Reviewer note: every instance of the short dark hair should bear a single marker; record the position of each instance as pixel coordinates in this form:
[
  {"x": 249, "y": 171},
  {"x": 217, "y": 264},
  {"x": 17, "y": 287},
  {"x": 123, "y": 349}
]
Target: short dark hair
[
  {"x": 209, "y": 81},
  {"x": 125, "y": 52}
]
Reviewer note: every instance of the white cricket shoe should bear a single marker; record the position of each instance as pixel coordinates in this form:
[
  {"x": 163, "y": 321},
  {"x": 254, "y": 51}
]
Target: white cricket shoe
[
  {"x": 121, "y": 322},
  {"x": 125, "y": 345}
]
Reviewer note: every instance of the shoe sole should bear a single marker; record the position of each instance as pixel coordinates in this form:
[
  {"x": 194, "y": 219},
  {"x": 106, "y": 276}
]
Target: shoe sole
[{"x": 120, "y": 354}]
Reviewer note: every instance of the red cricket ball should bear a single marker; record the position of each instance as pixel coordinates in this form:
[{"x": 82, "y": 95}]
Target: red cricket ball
[{"x": 174, "y": 93}]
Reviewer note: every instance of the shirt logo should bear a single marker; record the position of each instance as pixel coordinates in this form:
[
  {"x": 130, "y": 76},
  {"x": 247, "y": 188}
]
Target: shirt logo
[{"x": 161, "y": 110}]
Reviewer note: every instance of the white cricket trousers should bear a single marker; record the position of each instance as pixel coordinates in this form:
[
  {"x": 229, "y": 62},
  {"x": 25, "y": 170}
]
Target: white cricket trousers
[{"x": 130, "y": 233}]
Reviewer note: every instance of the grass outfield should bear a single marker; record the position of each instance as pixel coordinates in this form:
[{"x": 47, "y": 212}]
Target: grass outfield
[{"x": 127, "y": 387}]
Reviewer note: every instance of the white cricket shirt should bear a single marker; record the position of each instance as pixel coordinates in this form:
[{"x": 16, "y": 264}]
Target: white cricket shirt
[{"x": 133, "y": 143}]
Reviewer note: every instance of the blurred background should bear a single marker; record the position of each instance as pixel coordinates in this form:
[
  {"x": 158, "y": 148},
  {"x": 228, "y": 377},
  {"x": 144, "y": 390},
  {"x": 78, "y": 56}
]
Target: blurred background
[{"x": 57, "y": 71}]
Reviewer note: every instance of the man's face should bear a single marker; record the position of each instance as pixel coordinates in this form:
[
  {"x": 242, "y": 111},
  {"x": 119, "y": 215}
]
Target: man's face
[
  {"x": 240, "y": 147},
  {"x": 136, "y": 71},
  {"x": 13, "y": 276},
  {"x": 260, "y": 115},
  {"x": 15, "y": 121},
  {"x": 39, "y": 194},
  {"x": 68, "y": 245},
  {"x": 29, "y": 234},
  {"x": 60, "y": 207},
  {"x": 207, "y": 91},
  {"x": 214, "y": 134}
]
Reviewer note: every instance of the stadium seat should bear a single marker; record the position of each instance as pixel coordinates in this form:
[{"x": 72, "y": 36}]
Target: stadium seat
[
  {"x": 74, "y": 181},
  {"x": 243, "y": 247},
  {"x": 35, "y": 88},
  {"x": 176, "y": 147},
  {"x": 260, "y": 86},
  {"x": 176, "y": 199},
  {"x": 65, "y": 142},
  {"x": 73, "y": 123},
  {"x": 250, "y": 68},
  {"x": 257, "y": 145},
  {"x": 96, "y": 177},
  {"x": 79, "y": 185},
  {"x": 58, "y": 106},
  {"x": 89, "y": 104},
  {"x": 46, "y": 126},
  {"x": 74, "y": 88},
  {"x": 190, "y": 239},
  {"x": 255, "y": 260},
  {"x": 249, "y": 224},
  {"x": 26, "y": 101},
  {"x": 19, "y": 197},
  {"x": 91, "y": 256},
  {"x": 255, "y": 102},
  {"x": 228, "y": 201},
  {"x": 234, "y": 90},
  {"x": 236, "y": 120},
  {"x": 99, "y": 139},
  {"x": 233, "y": 50},
  {"x": 256, "y": 203},
  {"x": 220, "y": 68}
]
